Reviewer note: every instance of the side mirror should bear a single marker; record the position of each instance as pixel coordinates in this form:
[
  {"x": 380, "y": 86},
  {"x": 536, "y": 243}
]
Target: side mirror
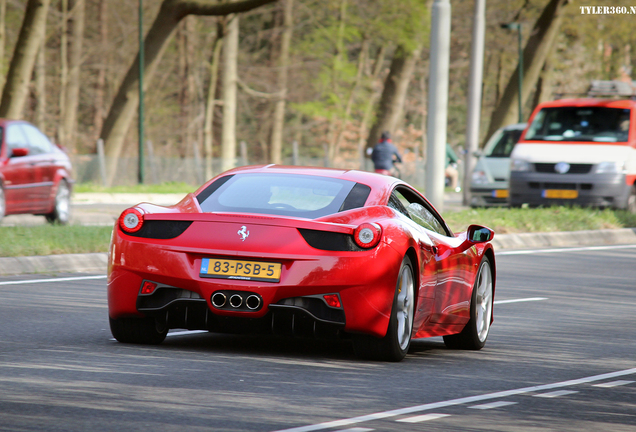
[
  {"x": 19, "y": 152},
  {"x": 479, "y": 234},
  {"x": 478, "y": 153}
]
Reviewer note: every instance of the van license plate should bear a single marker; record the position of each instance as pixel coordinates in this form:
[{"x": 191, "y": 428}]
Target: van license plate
[{"x": 560, "y": 194}]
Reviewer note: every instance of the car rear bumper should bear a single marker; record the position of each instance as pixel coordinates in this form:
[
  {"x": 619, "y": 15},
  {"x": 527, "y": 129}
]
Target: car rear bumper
[
  {"x": 364, "y": 282},
  {"x": 602, "y": 190}
]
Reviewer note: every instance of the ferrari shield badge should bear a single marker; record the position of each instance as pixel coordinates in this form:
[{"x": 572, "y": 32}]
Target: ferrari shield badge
[{"x": 243, "y": 233}]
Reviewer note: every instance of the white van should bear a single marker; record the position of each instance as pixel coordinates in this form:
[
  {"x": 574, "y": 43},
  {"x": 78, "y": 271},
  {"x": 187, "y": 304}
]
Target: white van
[
  {"x": 489, "y": 182},
  {"x": 577, "y": 151}
]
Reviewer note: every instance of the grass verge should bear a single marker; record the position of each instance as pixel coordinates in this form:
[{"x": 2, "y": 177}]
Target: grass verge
[
  {"x": 53, "y": 239},
  {"x": 168, "y": 187},
  {"x": 549, "y": 219}
]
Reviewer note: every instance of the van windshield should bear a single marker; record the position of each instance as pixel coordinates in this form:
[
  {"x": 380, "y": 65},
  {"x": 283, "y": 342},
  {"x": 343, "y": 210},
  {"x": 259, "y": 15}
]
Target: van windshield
[{"x": 598, "y": 124}]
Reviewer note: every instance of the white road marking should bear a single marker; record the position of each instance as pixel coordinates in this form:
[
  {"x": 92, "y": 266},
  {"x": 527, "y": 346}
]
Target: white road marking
[
  {"x": 557, "y": 250},
  {"x": 356, "y": 430},
  {"x": 460, "y": 401},
  {"x": 613, "y": 384},
  {"x": 66, "y": 279},
  {"x": 492, "y": 405},
  {"x": 423, "y": 418},
  {"x": 520, "y": 300},
  {"x": 555, "y": 394},
  {"x": 186, "y": 332},
  {"x": 179, "y": 333}
]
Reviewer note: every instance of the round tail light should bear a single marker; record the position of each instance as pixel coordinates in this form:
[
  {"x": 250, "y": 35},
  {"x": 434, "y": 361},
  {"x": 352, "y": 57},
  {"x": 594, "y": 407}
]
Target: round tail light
[
  {"x": 367, "y": 235},
  {"x": 131, "y": 220}
]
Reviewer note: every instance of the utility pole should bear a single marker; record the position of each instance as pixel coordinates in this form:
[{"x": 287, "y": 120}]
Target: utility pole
[
  {"x": 438, "y": 102},
  {"x": 475, "y": 82}
]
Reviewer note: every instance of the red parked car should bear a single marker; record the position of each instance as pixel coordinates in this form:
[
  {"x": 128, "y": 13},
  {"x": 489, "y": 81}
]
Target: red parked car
[
  {"x": 302, "y": 251},
  {"x": 35, "y": 174}
]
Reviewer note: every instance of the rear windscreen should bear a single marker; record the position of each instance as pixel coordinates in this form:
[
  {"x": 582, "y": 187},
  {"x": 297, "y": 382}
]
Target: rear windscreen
[
  {"x": 281, "y": 194},
  {"x": 596, "y": 124}
]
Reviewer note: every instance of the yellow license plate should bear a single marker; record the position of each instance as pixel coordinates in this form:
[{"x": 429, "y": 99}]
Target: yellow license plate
[
  {"x": 240, "y": 270},
  {"x": 500, "y": 193},
  {"x": 560, "y": 194}
]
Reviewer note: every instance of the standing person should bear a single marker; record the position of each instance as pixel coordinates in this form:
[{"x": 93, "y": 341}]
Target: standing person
[
  {"x": 451, "y": 171},
  {"x": 383, "y": 153}
]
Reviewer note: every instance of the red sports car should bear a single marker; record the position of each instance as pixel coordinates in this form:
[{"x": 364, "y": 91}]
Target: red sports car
[
  {"x": 302, "y": 251},
  {"x": 35, "y": 175}
]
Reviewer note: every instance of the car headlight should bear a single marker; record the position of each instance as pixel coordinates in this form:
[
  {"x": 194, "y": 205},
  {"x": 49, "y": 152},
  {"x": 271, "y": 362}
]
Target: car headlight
[
  {"x": 519, "y": 165},
  {"x": 480, "y": 177},
  {"x": 610, "y": 167}
]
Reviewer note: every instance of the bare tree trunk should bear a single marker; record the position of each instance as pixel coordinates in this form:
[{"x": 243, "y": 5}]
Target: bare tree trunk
[
  {"x": 230, "y": 75},
  {"x": 543, "y": 92},
  {"x": 541, "y": 40},
  {"x": 368, "y": 111},
  {"x": 208, "y": 131},
  {"x": 337, "y": 65},
  {"x": 283, "y": 65},
  {"x": 100, "y": 84},
  {"x": 31, "y": 34},
  {"x": 352, "y": 95},
  {"x": 125, "y": 103},
  {"x": 394, "y": 93},
  {"x": 40, "y": 87},
  {"x": 61, "y": 133},
  {"x": 3, "y": 35},
  {"x": 75, "y": 62}
]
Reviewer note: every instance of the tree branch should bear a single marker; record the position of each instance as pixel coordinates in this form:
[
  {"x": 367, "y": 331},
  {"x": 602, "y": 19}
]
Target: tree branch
[{"x": 256, "y": 93}]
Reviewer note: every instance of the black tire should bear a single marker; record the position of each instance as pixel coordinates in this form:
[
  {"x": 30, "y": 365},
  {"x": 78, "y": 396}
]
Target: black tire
[
  {"x": 475, "y": 334},
  {"x": 144, "y": 331},
  {"x": 3, "y": 204},
  {"x": 630, "y": 206},
  {"x": 395, "y": 344},
  {"x": 62, "y": 209}
]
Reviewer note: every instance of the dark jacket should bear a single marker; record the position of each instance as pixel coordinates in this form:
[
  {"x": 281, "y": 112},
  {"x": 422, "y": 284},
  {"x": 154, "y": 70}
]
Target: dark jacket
[{"x": 383, "y": 153}]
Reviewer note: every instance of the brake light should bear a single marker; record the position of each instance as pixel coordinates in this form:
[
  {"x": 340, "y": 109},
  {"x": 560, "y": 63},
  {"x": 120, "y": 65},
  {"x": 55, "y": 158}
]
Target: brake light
[
  {"x": 131, "y": 220},
  {"x": 148, "y": 287},
  {"x": 367, "y": 235},
  {"x": 332, "y": 300}
]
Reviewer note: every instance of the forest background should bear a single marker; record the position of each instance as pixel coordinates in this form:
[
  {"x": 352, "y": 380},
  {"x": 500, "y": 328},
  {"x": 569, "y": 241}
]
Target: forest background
[{"x": 328, "y": 75}]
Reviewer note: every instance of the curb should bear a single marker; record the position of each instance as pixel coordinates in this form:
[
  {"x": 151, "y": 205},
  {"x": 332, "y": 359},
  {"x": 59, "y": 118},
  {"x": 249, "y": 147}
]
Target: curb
[
  {"x": 68, "y": 263},
  {"x": 97, "y": 262}
]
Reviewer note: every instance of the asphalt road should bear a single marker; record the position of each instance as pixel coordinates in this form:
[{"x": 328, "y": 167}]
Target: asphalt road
[{"x": 561, "y": 357}]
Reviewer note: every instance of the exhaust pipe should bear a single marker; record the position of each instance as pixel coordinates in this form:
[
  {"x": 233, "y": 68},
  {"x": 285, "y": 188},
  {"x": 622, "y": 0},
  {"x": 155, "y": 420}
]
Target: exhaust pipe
[
  {"x": 236, "y": 301},
  {"x": 218, "y": 300},
  {"x": 253, "y": 302}
]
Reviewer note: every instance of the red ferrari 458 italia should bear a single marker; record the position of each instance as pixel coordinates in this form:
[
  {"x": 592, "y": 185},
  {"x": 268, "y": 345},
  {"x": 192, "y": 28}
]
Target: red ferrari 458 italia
[{"x": 302, "y": 252}]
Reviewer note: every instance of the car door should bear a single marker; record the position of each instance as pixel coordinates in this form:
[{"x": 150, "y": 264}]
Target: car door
[
  {"x": 18, "y": 172},
  {"x": 44, "y": 166},
  {"x": 451, "y": 303},
  {"x": 427, "y": 251}
]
